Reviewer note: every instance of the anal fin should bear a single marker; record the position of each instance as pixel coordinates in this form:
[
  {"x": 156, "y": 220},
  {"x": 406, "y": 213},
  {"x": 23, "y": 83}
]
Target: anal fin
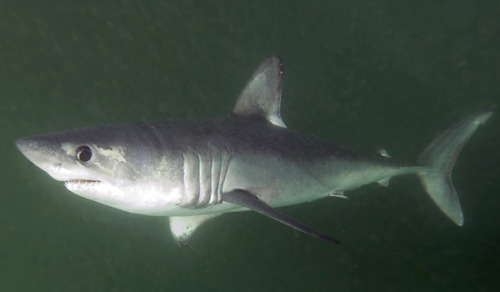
[{"x": 250, "y": 201}]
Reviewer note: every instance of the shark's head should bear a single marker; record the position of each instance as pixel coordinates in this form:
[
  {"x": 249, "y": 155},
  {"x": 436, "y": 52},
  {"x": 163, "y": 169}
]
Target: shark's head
[{"x": 110, "y": 165}]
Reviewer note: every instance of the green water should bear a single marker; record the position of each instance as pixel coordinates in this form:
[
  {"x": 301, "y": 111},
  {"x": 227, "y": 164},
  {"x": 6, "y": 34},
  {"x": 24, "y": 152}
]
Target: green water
[{"x": 369, "y": 74}]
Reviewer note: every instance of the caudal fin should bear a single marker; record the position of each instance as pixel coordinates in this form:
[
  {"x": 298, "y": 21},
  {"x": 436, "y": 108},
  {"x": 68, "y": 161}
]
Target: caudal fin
[{"x": 440, "y": 157}]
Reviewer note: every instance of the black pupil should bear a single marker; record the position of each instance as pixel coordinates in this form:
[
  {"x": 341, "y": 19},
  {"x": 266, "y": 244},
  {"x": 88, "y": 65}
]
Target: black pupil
[{"x": 83, "y": 153}]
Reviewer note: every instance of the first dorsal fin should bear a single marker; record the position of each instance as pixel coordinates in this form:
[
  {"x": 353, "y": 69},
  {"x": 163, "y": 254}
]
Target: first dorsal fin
[{"x": 261, "y": 97}]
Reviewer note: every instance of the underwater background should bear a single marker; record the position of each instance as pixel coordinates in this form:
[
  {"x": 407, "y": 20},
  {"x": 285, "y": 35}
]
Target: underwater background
[{"x": 368, "y": 74}]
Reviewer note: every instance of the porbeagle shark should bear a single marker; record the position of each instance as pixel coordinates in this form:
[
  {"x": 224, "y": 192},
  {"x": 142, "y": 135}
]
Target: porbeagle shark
[{"x": 193, "y": 170}]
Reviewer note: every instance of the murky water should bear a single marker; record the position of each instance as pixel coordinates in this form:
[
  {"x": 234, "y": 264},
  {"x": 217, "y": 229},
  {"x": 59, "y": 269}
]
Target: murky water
[{"x": 370, "y": 74}]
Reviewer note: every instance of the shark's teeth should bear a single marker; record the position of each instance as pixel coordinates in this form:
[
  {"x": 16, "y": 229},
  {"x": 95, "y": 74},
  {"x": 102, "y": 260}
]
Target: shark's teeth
[
  {"x": 76, "y": 185},
  {"x": 81, "y": 181}
]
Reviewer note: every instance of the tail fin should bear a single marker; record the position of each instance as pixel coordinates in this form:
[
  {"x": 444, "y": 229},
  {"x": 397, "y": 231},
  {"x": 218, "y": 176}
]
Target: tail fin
[{"x": 440, "y": 156}]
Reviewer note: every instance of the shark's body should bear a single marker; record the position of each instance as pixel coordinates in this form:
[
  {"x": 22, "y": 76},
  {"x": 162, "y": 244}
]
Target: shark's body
[{"x": 194, "y": 170}]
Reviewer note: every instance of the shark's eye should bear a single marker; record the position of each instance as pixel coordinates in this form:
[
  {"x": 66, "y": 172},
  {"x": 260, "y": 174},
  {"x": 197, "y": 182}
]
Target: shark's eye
[{"x": 83, "y": 153}]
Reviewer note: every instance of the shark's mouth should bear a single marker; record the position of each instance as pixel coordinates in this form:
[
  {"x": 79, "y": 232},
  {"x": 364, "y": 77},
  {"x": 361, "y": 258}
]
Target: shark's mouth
[
  {"x": 81, "y": 182},
  {"x": 83, "y": 185}
]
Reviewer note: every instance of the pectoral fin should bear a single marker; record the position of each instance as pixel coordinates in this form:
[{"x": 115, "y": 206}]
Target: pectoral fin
[
  {"x": 250, "y": 201},
  {"x": 183, "y": 227}
]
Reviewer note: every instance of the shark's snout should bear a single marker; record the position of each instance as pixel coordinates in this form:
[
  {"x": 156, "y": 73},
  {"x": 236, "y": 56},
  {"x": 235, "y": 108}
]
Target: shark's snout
[
  {"x": 20, "y": 144},
  {"x": 27, "y": 147},
  {"x": 46, "y": 153},
  {"x": 40, "y": 151}
]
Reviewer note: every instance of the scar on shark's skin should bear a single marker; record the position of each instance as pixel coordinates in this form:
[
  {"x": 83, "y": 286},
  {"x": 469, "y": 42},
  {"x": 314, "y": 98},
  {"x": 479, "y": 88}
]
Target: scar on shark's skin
[{"x": 191, "y": 171}]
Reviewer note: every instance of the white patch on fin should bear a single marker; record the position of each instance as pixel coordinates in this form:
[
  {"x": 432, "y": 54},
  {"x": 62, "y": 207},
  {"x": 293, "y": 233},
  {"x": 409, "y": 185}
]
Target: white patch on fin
[
  {"x": 384, "y": 153},
  {"x": 183, "y": 227},
  {"x": 384, "y": 182},
  {"x": 338, "y": 194},
  {"x": 261, "y": 97}
]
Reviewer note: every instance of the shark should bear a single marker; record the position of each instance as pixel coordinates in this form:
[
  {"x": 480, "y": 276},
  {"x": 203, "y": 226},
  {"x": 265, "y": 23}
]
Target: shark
[{"x": 190, "y": 171}]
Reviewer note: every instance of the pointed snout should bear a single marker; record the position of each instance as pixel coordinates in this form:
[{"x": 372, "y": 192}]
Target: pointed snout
[
  {"x": 26, "y": 146},
  {"x": 45, "y": 152},
  {"x": 37, "y": 149}
]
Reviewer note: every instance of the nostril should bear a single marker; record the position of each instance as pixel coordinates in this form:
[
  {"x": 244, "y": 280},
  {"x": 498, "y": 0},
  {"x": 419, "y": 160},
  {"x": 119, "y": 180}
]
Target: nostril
[{"x": 57, "y": 167}]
